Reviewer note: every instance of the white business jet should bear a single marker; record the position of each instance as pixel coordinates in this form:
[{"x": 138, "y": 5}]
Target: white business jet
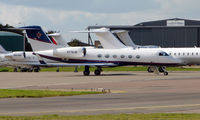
[
  {"x": 89, "y": 56},
  {"x": 187, "y": 56}
]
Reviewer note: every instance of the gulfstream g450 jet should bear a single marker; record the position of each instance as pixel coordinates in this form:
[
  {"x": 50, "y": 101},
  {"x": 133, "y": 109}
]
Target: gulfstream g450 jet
[{"x": 89, "y": 56}]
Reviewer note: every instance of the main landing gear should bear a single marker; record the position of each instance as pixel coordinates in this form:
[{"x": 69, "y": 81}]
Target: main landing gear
[
  {"x": 86, "y": 72},
  {"x": 157, "y": 70},
  {"x": 98, "y": 71},
  {"x": 35, "y": 69}
]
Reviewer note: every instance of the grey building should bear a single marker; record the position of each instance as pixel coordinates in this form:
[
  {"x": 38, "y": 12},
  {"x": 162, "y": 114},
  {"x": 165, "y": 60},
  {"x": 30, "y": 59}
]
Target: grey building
[{"x": 165, "y": 33}]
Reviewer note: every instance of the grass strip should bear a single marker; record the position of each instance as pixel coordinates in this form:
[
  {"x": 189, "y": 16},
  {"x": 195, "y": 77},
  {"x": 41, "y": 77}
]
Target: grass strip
[
  {"x": 12, "y": 93},
  {"x": 154, "y": 116}
]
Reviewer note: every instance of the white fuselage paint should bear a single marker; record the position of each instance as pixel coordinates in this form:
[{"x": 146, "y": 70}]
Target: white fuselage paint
[
  {"x": 125, "y": 55},
  {"x": 187, "y": 56}
]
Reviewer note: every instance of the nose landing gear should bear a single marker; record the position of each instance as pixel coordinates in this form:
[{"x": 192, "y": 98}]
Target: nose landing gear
[{"x": 157, "y": 70}]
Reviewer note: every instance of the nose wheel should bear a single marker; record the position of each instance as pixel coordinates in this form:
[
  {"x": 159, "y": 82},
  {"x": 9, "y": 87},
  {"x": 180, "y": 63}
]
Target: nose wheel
[
  {"x": 157, "y": 70},
  {"x": 165, "y": 73},
  {"x": 163, "y": 70}
]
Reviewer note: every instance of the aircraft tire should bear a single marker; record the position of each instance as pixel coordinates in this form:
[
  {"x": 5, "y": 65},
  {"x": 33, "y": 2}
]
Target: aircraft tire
[
  {"x": 97, "y": 72},
  {"x": 86, "y": 73},
  {"x": 15, "y": 70},
  {"x": 36, "y": 70},
  {"x": 23, "y": 70},
  {"x": 161, "y": 69},
  {"x": 149, "y": 70},
  {"x": 165, "y": 73},
  {"x": 30, "y": 70}
]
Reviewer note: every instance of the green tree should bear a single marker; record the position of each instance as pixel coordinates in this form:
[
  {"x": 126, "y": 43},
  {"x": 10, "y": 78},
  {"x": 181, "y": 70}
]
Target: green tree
[
  {"x": 76, "y": 42},
  {"x": 51, "y": 31}
]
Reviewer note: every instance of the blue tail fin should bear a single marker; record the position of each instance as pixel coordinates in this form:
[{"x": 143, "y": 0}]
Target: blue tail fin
[
  {"x": 38, "y": 38},
  {"x": 36, "y": 33}
]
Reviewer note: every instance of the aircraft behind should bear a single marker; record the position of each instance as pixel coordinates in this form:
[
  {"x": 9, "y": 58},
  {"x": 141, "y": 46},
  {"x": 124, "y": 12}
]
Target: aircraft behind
[{"x": 187, "y": 55}]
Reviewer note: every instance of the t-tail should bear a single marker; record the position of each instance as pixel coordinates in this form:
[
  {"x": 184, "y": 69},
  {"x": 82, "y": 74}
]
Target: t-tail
[
  {"x": 107, "y": 39},
  {"x": 38, "y": 38},
  {"x": 125, "y": 38}
]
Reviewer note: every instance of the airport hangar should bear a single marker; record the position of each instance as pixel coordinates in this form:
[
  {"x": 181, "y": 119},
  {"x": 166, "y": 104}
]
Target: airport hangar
[
  {"x": 14, "y": 41},
  {"x": 11, "y": 41},
  {"x": 174, "y": 32}
]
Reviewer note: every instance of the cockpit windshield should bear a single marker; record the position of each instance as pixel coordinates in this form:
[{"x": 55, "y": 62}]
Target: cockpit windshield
[{"x": 163, "y": 54}]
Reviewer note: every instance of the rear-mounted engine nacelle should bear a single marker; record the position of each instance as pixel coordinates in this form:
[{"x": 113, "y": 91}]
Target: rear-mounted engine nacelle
[
  {"x": 72, "y": 52},
  {"x": 15, "y": 56}
]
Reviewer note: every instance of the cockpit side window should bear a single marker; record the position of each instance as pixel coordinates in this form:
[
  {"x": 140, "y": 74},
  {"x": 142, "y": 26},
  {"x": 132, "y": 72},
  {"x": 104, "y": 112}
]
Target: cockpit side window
[{"x": 163, "y": 54}]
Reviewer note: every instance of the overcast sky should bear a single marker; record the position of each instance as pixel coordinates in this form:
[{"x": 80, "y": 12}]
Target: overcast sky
[{"x": 68, "y": 15}]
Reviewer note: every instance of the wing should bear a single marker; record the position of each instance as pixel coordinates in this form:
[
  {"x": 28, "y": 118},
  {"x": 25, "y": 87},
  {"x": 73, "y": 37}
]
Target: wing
[{"x": 45, "y": 64}]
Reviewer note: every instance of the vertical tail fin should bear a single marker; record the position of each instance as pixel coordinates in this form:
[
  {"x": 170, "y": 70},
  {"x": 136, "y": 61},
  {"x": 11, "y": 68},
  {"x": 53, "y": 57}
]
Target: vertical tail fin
[
  {"x": 38, "y": 38},
  {"x": 125, "y": 38},
  {"x": 108, "y": 40},
  {"x": 2, "y": 50},
  {"x": 58, "y": 39}
]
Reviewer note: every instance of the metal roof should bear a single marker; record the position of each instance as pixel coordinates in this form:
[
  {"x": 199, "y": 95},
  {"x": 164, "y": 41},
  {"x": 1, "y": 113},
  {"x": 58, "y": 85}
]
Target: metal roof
[
  {"x": 151, "y": 24},
  {"x": 4, "y": 33}
]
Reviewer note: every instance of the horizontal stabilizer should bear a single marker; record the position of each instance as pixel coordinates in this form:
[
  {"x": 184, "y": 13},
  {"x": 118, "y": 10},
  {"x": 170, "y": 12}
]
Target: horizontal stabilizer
[
  {"x": 101, "y": 30},
  {"x": 106, "y": 38}
]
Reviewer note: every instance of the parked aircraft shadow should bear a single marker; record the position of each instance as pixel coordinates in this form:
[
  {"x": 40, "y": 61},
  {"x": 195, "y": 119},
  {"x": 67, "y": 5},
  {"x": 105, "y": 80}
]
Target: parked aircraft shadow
[
  {"x": 104, "y": 74},
  {"x": 118, "y": 74}
]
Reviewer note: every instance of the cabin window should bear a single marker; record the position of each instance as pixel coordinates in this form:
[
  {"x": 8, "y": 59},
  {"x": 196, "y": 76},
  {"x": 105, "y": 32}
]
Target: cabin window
[
  {"x": 179, "y": 53},
  {"x": 170, "y": 53},
  {"x": 99, "y": 55},
  {"x": 183, "y": 53},
  {"x": 192, "y": 53},
  {"x": 122, "y": 56},
  {"x": 137, "y": 56},
  {"x": 130, "y": 56},
  {"x": 196, "y": 53},
  {"x": 174, "y": 53},
  {"x": 114, "y": 56},
  {"x": 107, "y": 56},
  {"x": 188, "y": 53}
]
